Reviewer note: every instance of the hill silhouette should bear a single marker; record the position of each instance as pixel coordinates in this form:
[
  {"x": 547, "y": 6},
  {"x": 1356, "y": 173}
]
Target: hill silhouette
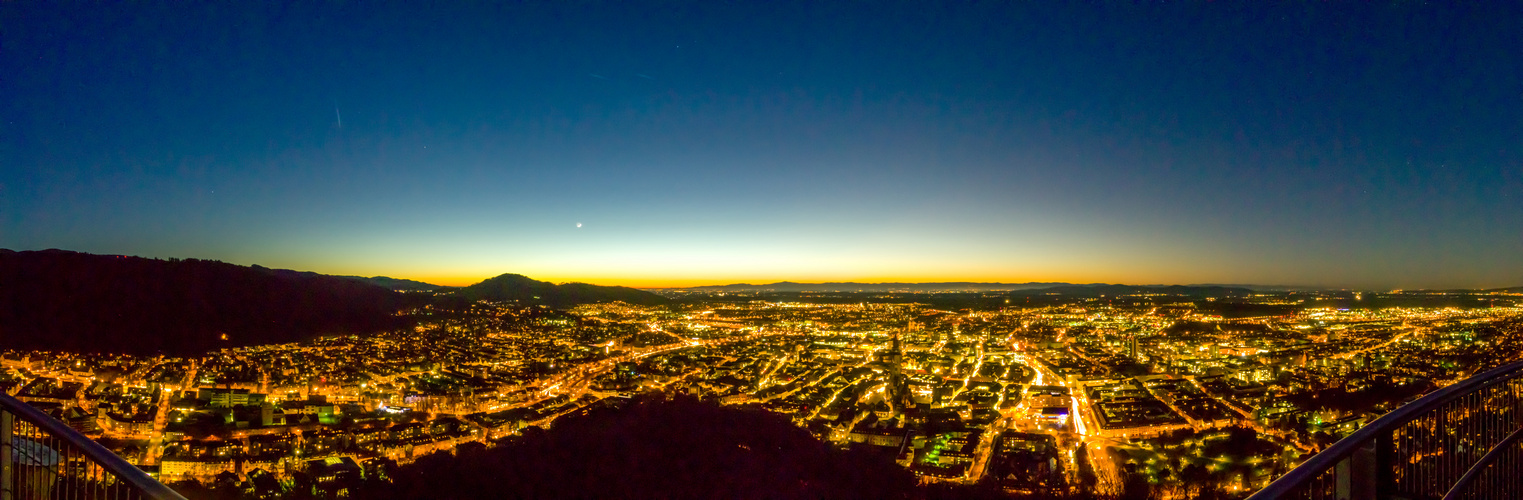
[
  {"x": 654, "y": 448},
  {"x": 664, "y": 447},
  {"x": 516, "y": 287},
  {"x": 61, "y": 300},
  {"x": 397, "y": 283}
]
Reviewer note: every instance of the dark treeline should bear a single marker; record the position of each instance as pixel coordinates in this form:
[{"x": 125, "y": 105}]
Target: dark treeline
[
  {"x": 71, "y": 301},
  {"x": 658, "y": 448},
  {"x": 60, "y": 300}
]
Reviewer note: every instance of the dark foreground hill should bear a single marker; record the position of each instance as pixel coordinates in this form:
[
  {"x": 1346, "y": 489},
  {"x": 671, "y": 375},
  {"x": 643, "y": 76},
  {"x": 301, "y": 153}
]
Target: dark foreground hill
[
  {"x": 519, "y": 288},
  {"x": 657, "y": 448},
  {"x": 62, "y": 300}
]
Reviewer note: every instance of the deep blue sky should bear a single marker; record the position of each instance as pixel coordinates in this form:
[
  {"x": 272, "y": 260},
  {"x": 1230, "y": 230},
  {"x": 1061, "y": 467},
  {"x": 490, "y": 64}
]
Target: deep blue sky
[{"x": 1344, "y": 145}]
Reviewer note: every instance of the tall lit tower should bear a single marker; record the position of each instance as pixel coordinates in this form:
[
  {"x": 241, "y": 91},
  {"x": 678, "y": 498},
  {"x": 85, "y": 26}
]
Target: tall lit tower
[{"x": 898, "y": 388}]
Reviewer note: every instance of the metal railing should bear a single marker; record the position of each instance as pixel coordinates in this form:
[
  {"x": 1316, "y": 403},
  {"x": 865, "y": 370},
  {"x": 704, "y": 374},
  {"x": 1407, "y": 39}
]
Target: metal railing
[
  {"x": 1462, "y": 441},
  {"x": 41, "y": 458}
]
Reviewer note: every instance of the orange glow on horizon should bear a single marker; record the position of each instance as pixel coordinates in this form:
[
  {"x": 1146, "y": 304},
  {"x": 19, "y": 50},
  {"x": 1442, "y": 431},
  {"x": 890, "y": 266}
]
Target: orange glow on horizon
[
  {"x": 682, "y": 273},
  {"x": 644, "y": 282}
]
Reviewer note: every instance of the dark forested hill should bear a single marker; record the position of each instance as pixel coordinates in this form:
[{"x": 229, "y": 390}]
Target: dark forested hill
[
  {"x": 655, "y": 448},
  {"x": 397, "y": 283},
  {"x": 515, "y": 287},
  {"x": 62, "y": 300}
]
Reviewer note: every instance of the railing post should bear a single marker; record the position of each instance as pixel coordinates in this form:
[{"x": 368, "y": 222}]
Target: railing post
[
  {"x": 7, "y": 467},
  {"x": 1363, "y": 463},
  {"x": 1368, "y": 463},
  {"x": 1342, "y": 479},
  {"x": 1354, "y": 476},
  {"x": 1385, "y": 460}
]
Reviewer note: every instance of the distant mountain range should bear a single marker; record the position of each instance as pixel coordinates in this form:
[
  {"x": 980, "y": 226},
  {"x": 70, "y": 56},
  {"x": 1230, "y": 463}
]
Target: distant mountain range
[
  {"x": 1103, "y": 290},
  {"x": 515, "y": 287},
  {"x": 789, "y": 286},
  {"x": 72, "y": 301},
  {"x": 62, "y": 300},
  {"x": 960, "y": 286}
]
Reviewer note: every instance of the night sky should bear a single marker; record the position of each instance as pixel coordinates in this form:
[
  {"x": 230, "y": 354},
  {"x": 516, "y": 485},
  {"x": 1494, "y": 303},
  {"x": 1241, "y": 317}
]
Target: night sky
[{"x": 1374, "y": 145}]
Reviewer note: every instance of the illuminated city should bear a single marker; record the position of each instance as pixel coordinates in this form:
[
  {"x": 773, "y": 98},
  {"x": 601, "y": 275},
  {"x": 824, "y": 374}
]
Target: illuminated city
[{"x": 1036, "y": 393}]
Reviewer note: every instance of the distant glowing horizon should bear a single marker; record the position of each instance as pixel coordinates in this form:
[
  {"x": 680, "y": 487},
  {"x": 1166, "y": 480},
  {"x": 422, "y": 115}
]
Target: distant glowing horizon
[{"x": 637, "y": 273}]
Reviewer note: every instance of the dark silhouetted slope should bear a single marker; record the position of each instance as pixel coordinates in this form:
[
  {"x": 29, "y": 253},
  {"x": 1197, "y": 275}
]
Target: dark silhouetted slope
[
  {"x": 386, "y": 282},
  {"x": 669, "y": 449},
  {"x": 62, "y": 300},
  {"x": 397, "y": 283},
  {"x": 516, "y": 287}
]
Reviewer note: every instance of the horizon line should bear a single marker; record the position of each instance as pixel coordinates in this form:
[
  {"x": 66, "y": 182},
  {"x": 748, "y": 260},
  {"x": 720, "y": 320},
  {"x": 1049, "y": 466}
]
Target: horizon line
[{"x": 467, "y": 279}]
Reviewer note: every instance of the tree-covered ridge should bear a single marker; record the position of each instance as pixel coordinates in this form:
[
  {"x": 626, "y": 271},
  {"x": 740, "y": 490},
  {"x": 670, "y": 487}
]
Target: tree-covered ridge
[
  {"x": 61, "y": 300},
  {"x": 656, "y": 448}
]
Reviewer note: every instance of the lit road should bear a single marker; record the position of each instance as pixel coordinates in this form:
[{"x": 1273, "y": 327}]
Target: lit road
[
  {"x": 161, "y": 415},
  {"x": 1108, "y": 477}
]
